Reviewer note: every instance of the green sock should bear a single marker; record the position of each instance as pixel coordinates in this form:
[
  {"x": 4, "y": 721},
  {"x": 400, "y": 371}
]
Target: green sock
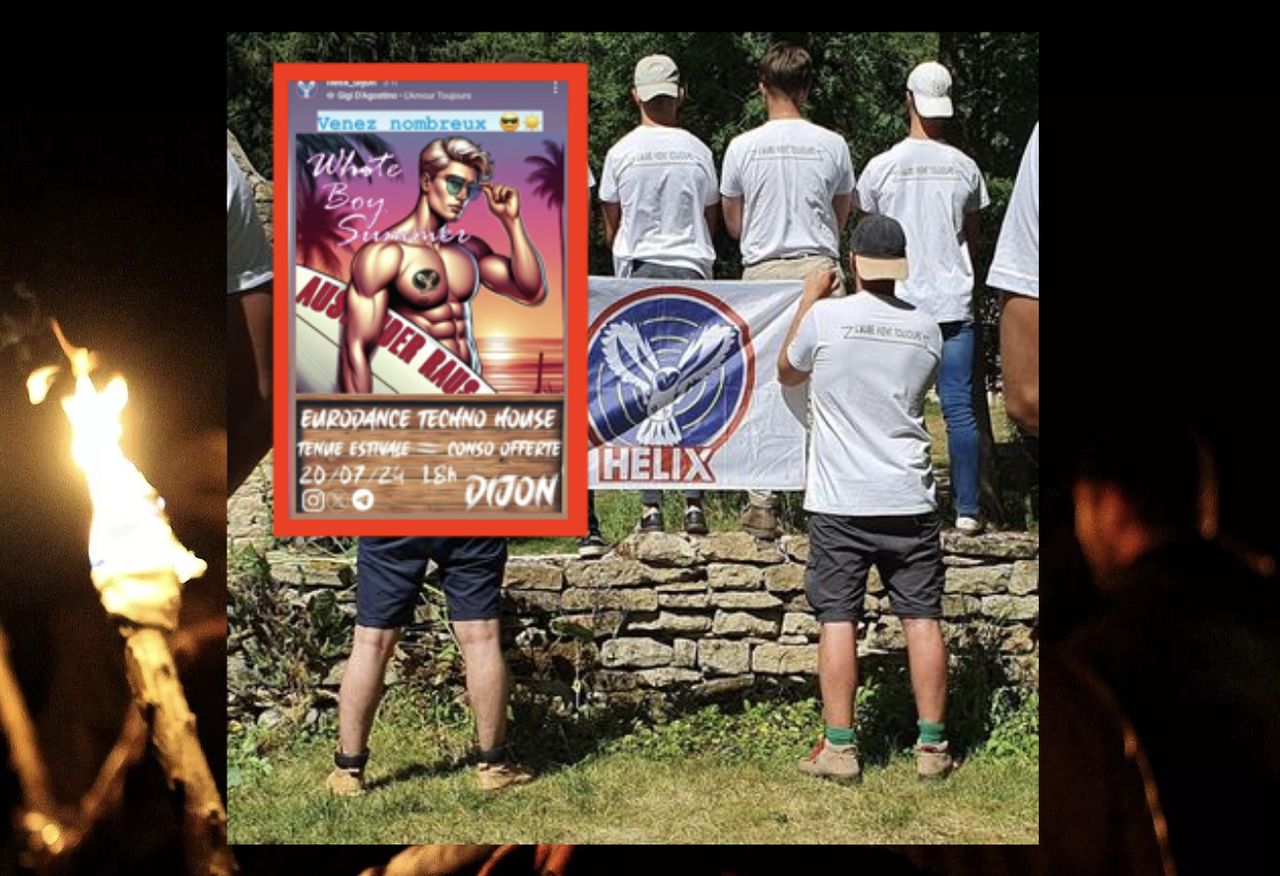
[
  {"x": 932, "y": 734},
  {"x": 841, "y": 735}
]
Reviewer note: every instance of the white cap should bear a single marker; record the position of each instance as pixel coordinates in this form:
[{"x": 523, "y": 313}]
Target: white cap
[
  {"x": 930, "y": 85},
  {"x": 655, "y": 75}
]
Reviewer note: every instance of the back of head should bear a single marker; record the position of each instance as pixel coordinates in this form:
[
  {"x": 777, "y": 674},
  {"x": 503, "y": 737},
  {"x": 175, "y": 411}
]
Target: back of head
[
  {"x": 787, "y": 70},
  {"x": 1153, "y": 462},
  {"x": 662, "y": 108}
]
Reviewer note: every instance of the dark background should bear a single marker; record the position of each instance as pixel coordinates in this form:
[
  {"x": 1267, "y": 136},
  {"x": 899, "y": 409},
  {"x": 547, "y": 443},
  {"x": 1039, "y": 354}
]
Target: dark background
[{"x": 110, "y": 179}]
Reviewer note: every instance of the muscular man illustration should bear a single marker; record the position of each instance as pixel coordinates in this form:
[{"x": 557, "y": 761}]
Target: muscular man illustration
[{"x": 427, "y": 273}]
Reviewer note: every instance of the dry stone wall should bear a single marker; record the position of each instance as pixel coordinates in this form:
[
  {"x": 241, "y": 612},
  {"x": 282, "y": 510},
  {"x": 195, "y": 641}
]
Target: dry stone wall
[{"x": 671, "y": 615}]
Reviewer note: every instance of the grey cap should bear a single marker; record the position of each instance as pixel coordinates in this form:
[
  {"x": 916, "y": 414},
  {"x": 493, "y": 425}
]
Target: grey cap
[{"x": 879, "y": 247}]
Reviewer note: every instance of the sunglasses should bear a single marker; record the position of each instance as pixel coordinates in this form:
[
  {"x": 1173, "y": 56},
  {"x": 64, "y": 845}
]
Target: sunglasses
[{"x": 455, "y": 184}]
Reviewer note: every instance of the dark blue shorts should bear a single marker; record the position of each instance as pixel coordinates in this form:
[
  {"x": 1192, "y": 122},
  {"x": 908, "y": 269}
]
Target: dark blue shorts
[{"x": 390, "y": 572}]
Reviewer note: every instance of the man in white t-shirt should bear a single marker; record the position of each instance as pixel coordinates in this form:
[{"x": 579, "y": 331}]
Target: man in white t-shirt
[
  {"x": 248, "y": 330},
  {"x": 661, "y": 206},
  {"x": 870, "y": 358},
  {"x": 787, "y": 192},
  {"x": 1015, "y": 270},
  {"x": 935, "y": 191}
]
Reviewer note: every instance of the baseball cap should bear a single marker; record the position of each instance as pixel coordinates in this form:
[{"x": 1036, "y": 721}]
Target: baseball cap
[
  {"x": 930, "y": 84},
  {"x": 879, "y": 248},
  {"x": 655, "y": 75}
]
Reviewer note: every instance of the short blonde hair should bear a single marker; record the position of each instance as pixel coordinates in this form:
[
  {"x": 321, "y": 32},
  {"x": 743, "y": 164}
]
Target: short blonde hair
[{"x": 439, "y": 153}]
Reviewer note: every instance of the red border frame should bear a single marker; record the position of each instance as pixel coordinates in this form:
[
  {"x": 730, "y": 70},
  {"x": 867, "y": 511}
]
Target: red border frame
[{"x": 574, "y": 446}]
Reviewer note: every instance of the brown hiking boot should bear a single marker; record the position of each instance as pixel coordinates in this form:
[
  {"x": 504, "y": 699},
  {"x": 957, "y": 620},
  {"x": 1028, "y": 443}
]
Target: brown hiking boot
[
  {"x": 827, "y": 763},
  {"x": 933, "y": 761},
  {"x": 760, "y": 521},
  {"x": 502, "y": 774},
  {"x": 347, "y": 778},
  {"x": 345, "y": 783}
]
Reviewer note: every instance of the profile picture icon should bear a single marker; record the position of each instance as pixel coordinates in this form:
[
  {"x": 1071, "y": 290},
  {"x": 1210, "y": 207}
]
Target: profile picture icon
[{"x": 306, "y": 89}]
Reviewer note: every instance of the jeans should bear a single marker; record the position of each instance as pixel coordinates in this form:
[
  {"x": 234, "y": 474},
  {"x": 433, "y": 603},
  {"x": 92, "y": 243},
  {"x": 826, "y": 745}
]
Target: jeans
[{"x": 955, "y": 388}]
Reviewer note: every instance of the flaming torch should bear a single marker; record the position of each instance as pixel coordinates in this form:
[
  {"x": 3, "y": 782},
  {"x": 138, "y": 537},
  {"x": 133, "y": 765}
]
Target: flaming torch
[{"x": 138, "y": 568}]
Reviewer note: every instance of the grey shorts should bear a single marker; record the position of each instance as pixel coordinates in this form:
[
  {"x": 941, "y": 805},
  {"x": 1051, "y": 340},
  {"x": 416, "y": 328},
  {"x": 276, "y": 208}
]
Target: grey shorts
[{"x": 906, "y": 550}]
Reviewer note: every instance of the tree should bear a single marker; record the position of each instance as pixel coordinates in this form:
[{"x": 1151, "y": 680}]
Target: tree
[{"x": 548, "y": 180}]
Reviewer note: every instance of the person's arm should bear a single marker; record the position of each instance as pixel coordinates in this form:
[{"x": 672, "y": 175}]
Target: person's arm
[
  {"x": 972, "y": 229},
  {"x": 712, "y": 214},
  {"x": 521, "y": 276},
  {"x": 843, "y": 206},
  {"x": 368, "y": 296},
  {"x": 846, "y": 189},
  {"x": 732, "y": 216},
  {"x": 612, "y": 212},
  {"x": 1020, "y": 359},
  {"x": 820, "y": 283}
]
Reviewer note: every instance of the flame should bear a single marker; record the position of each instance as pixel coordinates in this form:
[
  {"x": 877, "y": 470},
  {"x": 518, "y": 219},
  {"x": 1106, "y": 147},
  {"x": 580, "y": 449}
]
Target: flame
[
  {"x": 136, "y": 562},
  {"x": 40, "y": 382}
]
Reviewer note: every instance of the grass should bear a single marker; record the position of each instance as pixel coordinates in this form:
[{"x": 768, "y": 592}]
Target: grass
[{"x": 707, "y": 776}]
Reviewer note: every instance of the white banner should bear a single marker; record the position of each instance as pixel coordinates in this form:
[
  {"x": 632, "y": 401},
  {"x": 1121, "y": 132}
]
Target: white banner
[
  {"x": 682, "y": 386},
  {"x": 407, "y": 360}
]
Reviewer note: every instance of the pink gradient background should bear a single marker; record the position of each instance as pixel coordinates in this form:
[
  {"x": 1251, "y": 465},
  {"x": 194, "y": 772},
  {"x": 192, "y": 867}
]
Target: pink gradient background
[{"x": 509, "y": 335}]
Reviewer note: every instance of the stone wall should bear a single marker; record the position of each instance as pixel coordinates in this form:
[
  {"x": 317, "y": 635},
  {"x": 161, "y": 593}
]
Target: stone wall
[{"x": 669, "y": 614}]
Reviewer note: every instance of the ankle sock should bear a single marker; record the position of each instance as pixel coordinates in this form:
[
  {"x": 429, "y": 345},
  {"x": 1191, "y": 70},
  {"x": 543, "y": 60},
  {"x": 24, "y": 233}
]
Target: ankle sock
[
  {"x": 350, "y": 761},
  {"x": 493, "y": 755},
  {"x": 931, "y": 734},
  {"x": 841, "y": 737}
]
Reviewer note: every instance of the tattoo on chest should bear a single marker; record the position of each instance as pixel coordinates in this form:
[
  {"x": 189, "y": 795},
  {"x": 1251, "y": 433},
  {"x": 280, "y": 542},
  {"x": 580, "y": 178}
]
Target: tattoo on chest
[{"x": 426, "y": 279}]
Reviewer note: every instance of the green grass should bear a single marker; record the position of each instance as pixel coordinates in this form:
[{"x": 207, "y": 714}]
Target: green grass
[{"x": 708, "y": 776}]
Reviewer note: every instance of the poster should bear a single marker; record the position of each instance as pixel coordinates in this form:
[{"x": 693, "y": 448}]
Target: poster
[{"x": 430, "y": 299}]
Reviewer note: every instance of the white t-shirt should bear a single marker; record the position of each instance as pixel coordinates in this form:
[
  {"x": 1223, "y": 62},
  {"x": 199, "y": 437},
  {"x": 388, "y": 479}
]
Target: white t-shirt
[
  {"x": 871, "y": 359},
  {"x": 1016, "y": 265},
  {"x": 787, "y": 171},
  {"x": 248, "y": 256},
  {"x": 664, "y": 179},
  {"x": 591, "y": 179},
  {"x": 929, "y": 187}
]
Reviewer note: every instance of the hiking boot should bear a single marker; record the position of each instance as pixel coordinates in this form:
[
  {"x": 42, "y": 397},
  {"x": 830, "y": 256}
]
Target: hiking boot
[
  {"x": 501, "y": 774},
  {"x": 760, "y": 521},
  {"x": 592, "y": 546},
  {"x": 347, "y": 778},
  {"x": 827, "y": 763},
  {"x": 695, "y": 522},
  {"x": 650, "y": 520},
  {"x": 969, "y": 525},
  {"x": 933, "y": 761}
]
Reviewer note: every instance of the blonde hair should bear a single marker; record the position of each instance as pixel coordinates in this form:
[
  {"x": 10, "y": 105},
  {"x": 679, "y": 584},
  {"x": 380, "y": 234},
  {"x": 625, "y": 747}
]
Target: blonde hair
[{"x": 439, "y": 153}]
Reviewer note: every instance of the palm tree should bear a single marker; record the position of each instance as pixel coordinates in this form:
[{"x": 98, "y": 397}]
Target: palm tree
[
  {"x": 548, "y": 182},
  {"x": 317, "y": 236}
]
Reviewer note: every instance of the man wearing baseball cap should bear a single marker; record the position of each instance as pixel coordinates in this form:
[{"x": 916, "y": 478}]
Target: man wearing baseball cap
[
  {"x": 935, "y": 191},
  {"x": 661, "y": 204},
  {"x": 869, "y": 359}
]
